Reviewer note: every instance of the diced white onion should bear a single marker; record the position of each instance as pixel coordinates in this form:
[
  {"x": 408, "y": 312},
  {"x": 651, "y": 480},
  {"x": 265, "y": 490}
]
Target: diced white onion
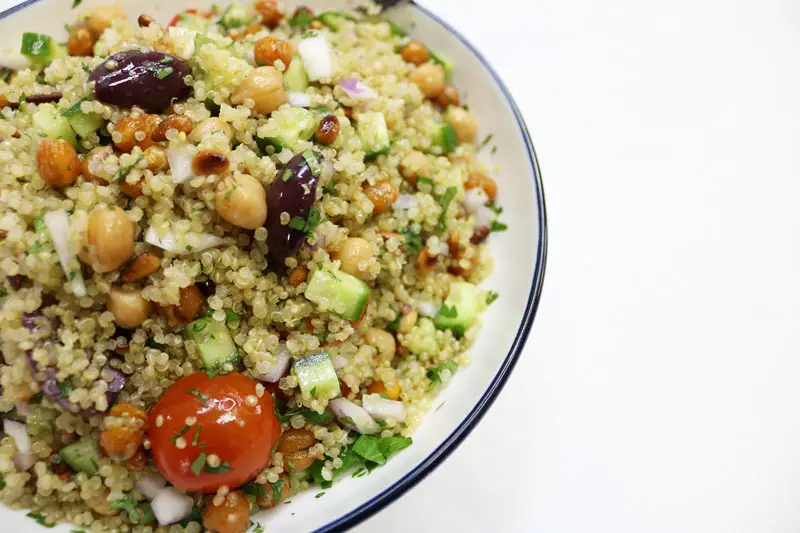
[
  {"x": 382, "y": 409},
  {"x": 317, "y": 58},
  {"x": 485, "y": 216},
  {"x": 299, "y": 99},
  {"x": 180, "y": 163},
  {"x": 14, "y": 61},
  {"x": 168, "y": 242},
  {"x": 428, "y": 309},
  {"x": 183, "y": 40},
  {"x": 57, "y": 223},
  {"x": 149, "y": 484},
  {"x": 474, "y": 199},
  {"x": 24, "y": 461},
  {"x": 171, "y": 506},
  {"x": 406, "y": 201},
  {"x": 19, "y": 432},
  {"x": 339, "y": 361},
  {"x": 275, "y": 373},
  {"x": 353, "y": 416},
  {"x": 357, "y": 90}
]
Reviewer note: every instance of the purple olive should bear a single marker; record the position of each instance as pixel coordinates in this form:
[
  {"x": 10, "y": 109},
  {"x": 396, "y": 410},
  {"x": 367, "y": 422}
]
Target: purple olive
[
  {"x": 150, "y": 80},
  {"x": 293, "y": 191}
]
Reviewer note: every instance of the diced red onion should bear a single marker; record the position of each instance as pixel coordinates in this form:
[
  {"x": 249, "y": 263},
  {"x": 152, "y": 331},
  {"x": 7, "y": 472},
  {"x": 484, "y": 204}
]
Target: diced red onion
[
  {"x": 406, "y": 201},
  {"x": 428, "y": 309},
  {"x": 171, "y": 506},
  {"x": 275, "y": 373},
  {"x": 317, "y": 57},
  {"x": 149, "y": 484},
  {"x": 382, "y": 409},
  {"x": 474, "y": 199},
  {"x": 19, "y": 432},
  {"x": 299, "y": 99},
  {"x": 57, "y": 223},
  {"x": 353, "y": 416},
  {"x": 168, "y": 242},
  {"x": 357, "y": 90},
  {"x": 180, "y": 163}
]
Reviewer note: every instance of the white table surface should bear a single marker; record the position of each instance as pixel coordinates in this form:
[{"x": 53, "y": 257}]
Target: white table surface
[{"x": 658, "y": 391}]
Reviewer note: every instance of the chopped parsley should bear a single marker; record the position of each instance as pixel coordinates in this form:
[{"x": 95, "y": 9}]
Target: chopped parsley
[
  {"x": 223, "y": 467},
  {"x": 497, "y": 226},
  {"x": 448, "y": 311},
  {"x": 424, "y": 180},
  {"x": 76, "y": 108},
  {"x": 150, "y": 343},
  {"x": 258, "y": 528},
  {"x": 40, "y": 519},
  {"x": 319, "y": 495},
  {"x": 199, "y": 464},
  {"x": 378, "y": 450},
  {"x": 329, "y": 188},
  {"x": 394, "y": 324},
  {"x": 5, "y": 73},
  {"x": 317, "y": 418},
  {"x": 35, "y": 400},
  {"x": 434, "y": 373},
  {"x": 413, "y": 242},
  {"x": 163, "y": 72},
  {"x": 65, "y": 388},
  {"x": 307, "y": 226},
  {"x": 322, "y": 336},
  {"x": 301, "y": 19},
  {"x": 232, "y": 316},
  {"x": 124, "y": 171},
  {"x": 138, "y": 514},
  {"x": 449, "y": 194},
  {"x": 178, "y": 434},
  {"x": 277, "y": 489},
  {"x": 495, "y": 208},
  {"x": 196, "y": 438},
  {"x": 485, "y": 141},
  {"x": 255, "y": 489},
  {"x": 491, "y": 297},
  {"x": 76, "y": 3},
  {"x": 202, "y": 397}
]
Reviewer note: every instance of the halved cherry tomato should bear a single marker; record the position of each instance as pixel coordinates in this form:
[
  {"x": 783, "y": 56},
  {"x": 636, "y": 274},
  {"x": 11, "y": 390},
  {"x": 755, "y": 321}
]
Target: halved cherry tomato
[
  {"x": 176, "y": 18},
  {"x": 200, "y": 417}
]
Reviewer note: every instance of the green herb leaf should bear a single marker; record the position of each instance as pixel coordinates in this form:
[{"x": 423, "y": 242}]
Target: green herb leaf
[
  {"x": 199, "y": 464},
  {"x": 163, "y": 72},
  {"x": 76, "y": 3},
  {"x": 36, "y": 399},
  {"x": 448, "y": 311},
  {"x": 317, "y": 418},
  {"x": 485, "y": 141},
  {"x": 491, "y": 297},
  {"x": 391, "y": 445},
  {"x": 394, "y": 324},
  {"x": 367, "y": 446},
  {"x": 232, "y": 316},
  {"x": 196, "y": 438},
  {"x": 413, "y": 242},
  {"x": 178, "y": 434},
  {"x": 277, "y": 488},
  {"x": 255, "y": 490},
  {"x": 124, "y": 171},
  {"x": 495, "y": 208},
  {"x": 41, "y": 519},
  {"x": 424, "y": 181},
  {"x": 434, "y": 373},
  {"x": 76, "y": 108},
  {"x": 319, "y": 495},
  {"x": 449, "y": 194},
  {"x": 150, "y": 343},
  {"x": 301, "y": 19},
  {"x": 497, "y": 226},
  {"x": 65, "y": 388},
  {"x": 225, "y": 466},
  {"x": 137, "y": 514},
  {"x": 202, "y": 397},
  {"x": 297, "y": 223}
]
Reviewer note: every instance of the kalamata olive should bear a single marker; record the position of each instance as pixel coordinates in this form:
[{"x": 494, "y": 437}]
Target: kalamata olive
[
  {"x": 150, "y": 80},
  {"x": 293, "y": 191}
]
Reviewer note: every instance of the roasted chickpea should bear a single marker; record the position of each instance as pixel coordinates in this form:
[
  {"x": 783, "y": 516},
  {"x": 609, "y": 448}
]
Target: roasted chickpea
[
  {"x": 57, "y": 162},
  {"x": 100, "y": 18},
  {"x": 134, "y": 190},
  {"x": 157, "y": 159},
  {"x": 109, "y": 239},
  {"x": 464, "y": 122},
  {"x": 414, "y": 52},
  {"x": 173, "y": 122},
  {"x": 92, "y": 164},
  {"x": 207, "y": 162},
  {"x": 124, "y": 431},
  {"x": 328, "y": 130},
  {"x": 133, "y": 131},
  {"x": 429, "y": 78},
  {"x": 141, "y": 267},
  {"x": 382, "y": 341},
  {"x": 264, "y": 86},
  {"x": 242, "y": 201},
  {"x": 486, "y": 183},
  {"x": 382, "y": 195},
  {"x": 413, "y": 165},
  {"x": 129, "y": 307},
  {"x": 270, "y": 11},
  {"x": 354, "y": 256},
  {"x": 449, "y": 96},
  {"x": 80, "y": 42},
  {"x": 231, "y": 516},
  {"x": 210, "y": 126},
  {"x": 297, "y": 276},
  {"x": 294, "y": 440},
  {"x": 269, "y": 49},
  {"x": 190, "y": 304}
]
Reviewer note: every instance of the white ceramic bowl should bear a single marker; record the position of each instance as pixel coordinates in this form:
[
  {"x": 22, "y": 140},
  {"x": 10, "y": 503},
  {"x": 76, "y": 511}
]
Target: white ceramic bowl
[{"x": 519, "y": 256}]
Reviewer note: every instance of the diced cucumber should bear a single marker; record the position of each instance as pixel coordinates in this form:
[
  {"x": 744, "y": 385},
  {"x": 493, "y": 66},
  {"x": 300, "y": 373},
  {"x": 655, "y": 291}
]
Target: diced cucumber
[
  {"x": 333, "y": 19},
  {"x": 446, "y": 64},
  {"x": 48, "y": 119},
  {"x": 296, "y": 78},
  {"x": 201, "y": 40},
  {"x": 285, "y": 128},
  {"x": 235, "y": 16},
  {"x": 346, "y": 295},
  {"x": 460, "y": 309},
  {"x": 316, "y": 376},
  {"x": 214, "y": 342},
  {"x": 40, "y": 49},
  {"x": 422, "y": 338},
  {"x": 84, "y": 124},
  {"x": 82, "y": 456},
  {"x": 374, "y": 134},
  {"x": 445, "y": 138}
]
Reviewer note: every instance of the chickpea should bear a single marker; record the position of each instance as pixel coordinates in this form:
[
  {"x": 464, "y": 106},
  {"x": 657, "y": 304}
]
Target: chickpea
[
  {"x": 242, "y": 201},
  {"x": 448, "y": 97},
  {"x": 413, "y": 166},
  {"x": 264, "y": 86},
  {"x": 383, "y": 341},
  {"x": 328, "y": 130},
  {"x": 407, "y": 321},
  {"x": 269, "y": 49},
  {"x": 57, "y": 162},
  {"x": 101, "y": 18},
  {"x": 354, "y": 256},
  {"x": 190, "y": 304},
  {"x": 294, "y": 440},
  {"x": 173, "y": 122},
  {"x": 414, "y": 52},
  {"x": 464, "y": 122},
  {"x": 129, "y": 308},
  {"x": 109, "y": 239},
  {"x": 207, "y": 162},
  {"x": 231, "y": 516},
  {"x": 486, "y": 183},
  {"x": 382, "y": 195},
  {"x": 210, "y": 126},
  {"x": 81, "y": 42},
  {"x": 145, "y": 21},
  {"x": 91, "y": 166},
  {"x": 136, "y": 131},
  {"x": 124, "y": 431},
  {"x": 297, "y": 276},
  {"x": 391, "y": 391},
  {"x": 134, "y": 190},
  {"x": 157, "y": 159},
  {"x": 268, "y": 501},
  {"x": 271, "y": 14},
  {"x": 429, "y": 78},
  {"x": 141, "y": 267}
]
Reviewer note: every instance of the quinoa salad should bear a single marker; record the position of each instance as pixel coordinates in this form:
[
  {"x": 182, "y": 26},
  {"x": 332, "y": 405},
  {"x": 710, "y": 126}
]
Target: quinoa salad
[{"x": 240, "y": 255}]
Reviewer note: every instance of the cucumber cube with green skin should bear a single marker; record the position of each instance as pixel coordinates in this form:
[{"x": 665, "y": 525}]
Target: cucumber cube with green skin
[
  {"x": 460, "y": 309},
  {"x": 316, "y": 376},
  {"x": 84, "y": 124},
  {"x": 214, "y": 342},
  {"x": 374, "y": 134},
  {"x": 82, "y": 456},
  {"x": 49, "y": 121},
  {"x": 40, "y": 49},
  {"x": 333, "y": 19},
  {"x": 295, "y": 78},
  {"x": 285, "y": 128},
  {"x": 346, "y": 295},
  {"x": 235, "y": 16}
]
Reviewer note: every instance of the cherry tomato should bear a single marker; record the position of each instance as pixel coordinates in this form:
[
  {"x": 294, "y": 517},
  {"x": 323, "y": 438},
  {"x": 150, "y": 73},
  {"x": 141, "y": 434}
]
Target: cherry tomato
[
  {"x": 200, "y": 417},
  {"x": 177, "y": 18}
]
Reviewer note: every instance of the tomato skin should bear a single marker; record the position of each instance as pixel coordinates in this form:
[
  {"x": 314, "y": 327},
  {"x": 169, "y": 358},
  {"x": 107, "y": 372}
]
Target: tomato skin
[
  {"x": 192, "y": 11},
  {"x": 239, "y": 434}
]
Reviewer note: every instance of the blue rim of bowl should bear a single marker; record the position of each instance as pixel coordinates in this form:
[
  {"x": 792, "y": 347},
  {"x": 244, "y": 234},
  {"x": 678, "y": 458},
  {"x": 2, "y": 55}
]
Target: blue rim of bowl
[{"x": 444, "y": 450}]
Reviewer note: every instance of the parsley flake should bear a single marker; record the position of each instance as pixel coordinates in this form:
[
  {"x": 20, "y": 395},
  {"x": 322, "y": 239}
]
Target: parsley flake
[
  {"x": 491, "y": 297},
  {"x": 199, "y": 464}
]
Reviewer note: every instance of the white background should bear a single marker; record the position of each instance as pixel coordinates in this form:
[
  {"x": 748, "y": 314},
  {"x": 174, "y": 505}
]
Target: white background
[{"x": 659, "y": 389}]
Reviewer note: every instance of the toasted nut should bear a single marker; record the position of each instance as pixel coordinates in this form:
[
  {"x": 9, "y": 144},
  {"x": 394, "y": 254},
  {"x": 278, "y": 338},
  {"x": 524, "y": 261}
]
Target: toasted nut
[
  {"x": 382, "y": 195},
  {"x": 57, "y": 162},
  {"x": 383, "y": 342},
  {"x": 328, "y": 130},
  {"x": 173, "y": 122},
  {"x": 190, "y": 303},
  {"x": 448, "y": 97},
  {"x": 135, "y": 131},
  {"x": 4, "y": 103},
  {"x": 92, "y": 164},
  {"x": 81, "y": 42},
  {"x": 145, "y": 20},
  {"x": 141, "y": 267},
  {"x": 156, "y": 158},
  {"x": 298, "y": 275},
  {"x": 269, "y": 49},
  {"x": 414, "y": 52},
  {"x": 207, "y": 162},
  {"x": 270, "y": 11}
]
